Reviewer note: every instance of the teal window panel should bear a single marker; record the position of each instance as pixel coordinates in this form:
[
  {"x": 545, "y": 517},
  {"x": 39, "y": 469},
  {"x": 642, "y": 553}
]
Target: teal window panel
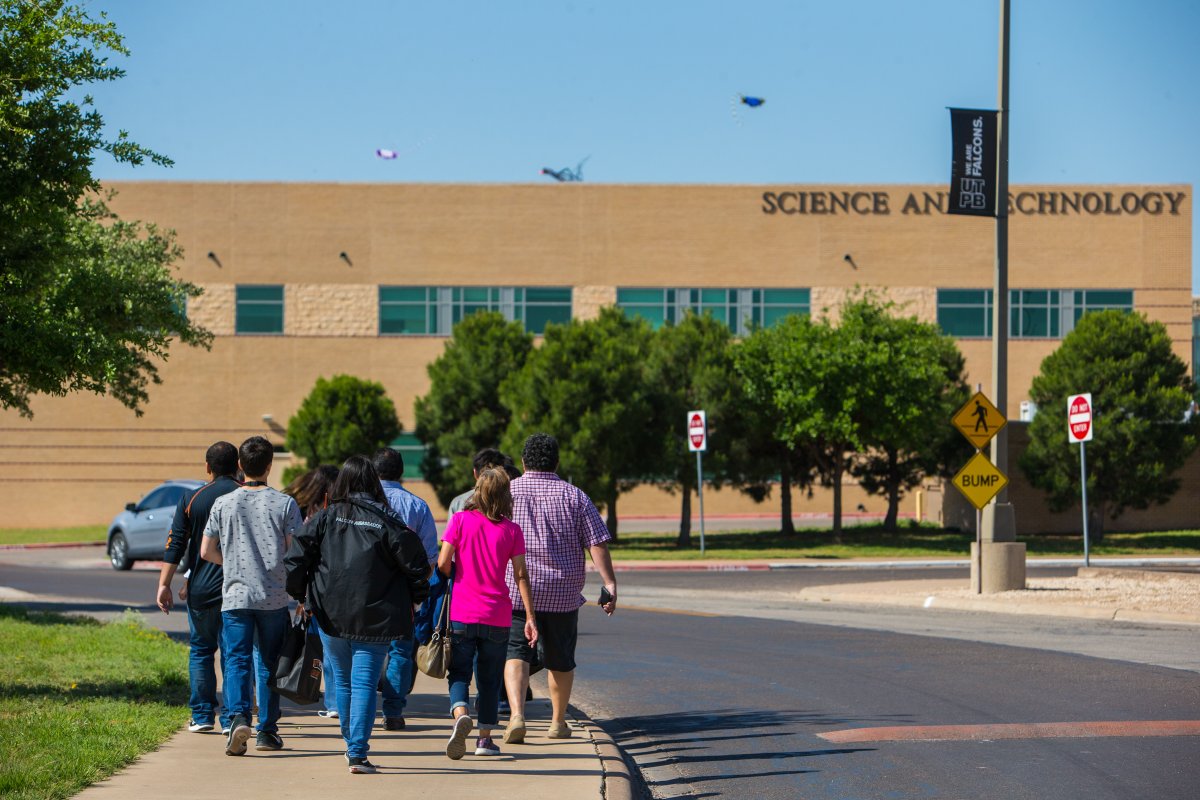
[
  {"x": 547, "y": 295},
  {"x": 403, "y": 294},
  {"x": 400, "y": 318},
  {"x": 411, "y": 449},
  {"x": 1108, "y": 298},
  {"x": 792, "y": 297},
  {"x": 773, "y": 314},
  {"x": 655, "y": 315},
  {"x": 259, "y": 309},
  {"x": 639, "y": 296},
  {"x": 538, "y": 317}
]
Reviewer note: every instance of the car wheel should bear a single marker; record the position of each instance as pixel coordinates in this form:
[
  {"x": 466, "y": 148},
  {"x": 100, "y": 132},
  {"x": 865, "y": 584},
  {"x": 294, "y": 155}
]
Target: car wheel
[{"x": 118, "y": 552}]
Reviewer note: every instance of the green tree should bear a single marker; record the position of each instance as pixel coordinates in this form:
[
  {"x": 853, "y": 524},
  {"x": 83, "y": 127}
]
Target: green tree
[
  {"x": 764, "y": 445},
  {"x": 691, "y": 367},
  {"x": 586, "y": 386},
  {"x": 1140, "y": 392},
  {"x": 462, "y": 412},
  {"x": 912, "y": 382},
  {"x": 87, "y": 302},
  {"x": 342, "y": 416}
]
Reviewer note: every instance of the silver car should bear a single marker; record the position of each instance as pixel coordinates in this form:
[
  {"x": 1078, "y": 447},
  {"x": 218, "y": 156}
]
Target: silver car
[{"x": 140, "y": 531}]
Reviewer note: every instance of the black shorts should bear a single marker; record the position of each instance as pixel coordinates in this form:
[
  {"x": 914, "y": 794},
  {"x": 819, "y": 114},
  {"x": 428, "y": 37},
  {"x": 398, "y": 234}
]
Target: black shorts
[{"x": 557, "y": 632}]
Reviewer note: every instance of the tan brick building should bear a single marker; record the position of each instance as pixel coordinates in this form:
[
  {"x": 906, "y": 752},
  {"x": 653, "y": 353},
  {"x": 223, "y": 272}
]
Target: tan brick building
[{"x": 309, "y": 280}]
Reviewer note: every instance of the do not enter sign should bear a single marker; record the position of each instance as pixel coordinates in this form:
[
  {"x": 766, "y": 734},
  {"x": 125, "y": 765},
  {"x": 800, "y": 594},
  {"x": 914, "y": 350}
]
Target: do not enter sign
[
  {"x": 1079, "y": 417},
  {"x": 697, "y": 431}
]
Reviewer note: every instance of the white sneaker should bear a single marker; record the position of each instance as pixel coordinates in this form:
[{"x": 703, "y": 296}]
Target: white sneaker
[
  {"x": 456, "y": 748},
  {"x": 327, "y": 714},
  {"x": 199, "y": 727}
]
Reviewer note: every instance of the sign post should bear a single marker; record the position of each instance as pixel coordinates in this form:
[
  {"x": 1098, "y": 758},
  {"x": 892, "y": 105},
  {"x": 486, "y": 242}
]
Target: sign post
[
  {"x": 1079, "y": 429},
  {"x": 697, "y": 429},
  {"x": 979, "y": 481}
]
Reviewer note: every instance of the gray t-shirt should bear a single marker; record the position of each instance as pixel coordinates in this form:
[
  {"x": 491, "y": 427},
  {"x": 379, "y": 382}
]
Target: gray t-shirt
[
  {"x": 460, "y": 502},
  {"x": 251, "y": 526}
]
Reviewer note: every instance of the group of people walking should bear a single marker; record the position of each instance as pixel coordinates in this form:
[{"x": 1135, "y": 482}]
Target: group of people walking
[{"x": 360, "y": 555}]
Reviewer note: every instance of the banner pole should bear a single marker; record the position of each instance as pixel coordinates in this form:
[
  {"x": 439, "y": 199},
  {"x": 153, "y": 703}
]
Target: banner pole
[
  {"x": 999, "y": 527},
  {"x": 700, "y": 496},
  {"x": 1083, "y": 487}
]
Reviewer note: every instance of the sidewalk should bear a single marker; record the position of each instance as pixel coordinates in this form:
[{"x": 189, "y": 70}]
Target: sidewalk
[{"x": 412, "y": 762}]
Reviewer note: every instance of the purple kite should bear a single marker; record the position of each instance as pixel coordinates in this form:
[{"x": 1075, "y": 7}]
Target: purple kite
[{"x": 386, "y": 154}]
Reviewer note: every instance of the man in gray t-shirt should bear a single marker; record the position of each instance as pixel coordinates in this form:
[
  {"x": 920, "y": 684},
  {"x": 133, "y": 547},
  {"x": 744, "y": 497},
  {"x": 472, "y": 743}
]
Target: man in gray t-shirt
[
  {"x": 248, "y": 533},
  {"x": 486, "y": 458}
]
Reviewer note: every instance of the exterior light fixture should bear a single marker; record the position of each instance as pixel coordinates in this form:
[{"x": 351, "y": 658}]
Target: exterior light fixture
[
  {"x": 213, "y": 258},
  {"x": 342, "y": 255}
]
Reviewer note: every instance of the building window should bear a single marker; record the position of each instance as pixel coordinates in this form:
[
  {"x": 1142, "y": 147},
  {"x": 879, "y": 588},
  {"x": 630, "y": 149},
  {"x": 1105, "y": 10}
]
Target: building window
[
  {"x": 259, "y": 309},
  {"x": 741, "y": 309},
  {"x": 411, "y": 449},
  {"x": 1033, "y": 313},
  {"x": 436, "y": 309},
  {"x": 965, "y": 313}
]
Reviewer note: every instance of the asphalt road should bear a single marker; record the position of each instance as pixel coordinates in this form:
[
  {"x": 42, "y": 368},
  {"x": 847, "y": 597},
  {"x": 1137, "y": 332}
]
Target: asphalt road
[
  {"x": 733, "y": 706},
  {"x": 733, "y": 703}
]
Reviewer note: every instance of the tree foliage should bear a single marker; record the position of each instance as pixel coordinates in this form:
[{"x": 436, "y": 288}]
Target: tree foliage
[
  {"x": 462, "y": 412},
  {"x": 86, "y": 301},
  {"x": 766, "y": 442},
  {"x": 690, "y": 367},
  {"x": 913, "y": 382},
  {"x": 586, "y": 386},
  {"x": 1140, "y": 392},
  {"x": 342, "y": 416}
]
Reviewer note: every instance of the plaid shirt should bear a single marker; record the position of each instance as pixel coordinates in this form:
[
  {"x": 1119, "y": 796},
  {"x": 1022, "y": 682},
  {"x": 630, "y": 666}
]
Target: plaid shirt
[{"x": 559, "y": 522}]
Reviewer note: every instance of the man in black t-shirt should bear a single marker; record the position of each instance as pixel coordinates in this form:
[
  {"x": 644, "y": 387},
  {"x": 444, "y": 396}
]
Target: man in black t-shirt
[{"x": 202, "y": 587}]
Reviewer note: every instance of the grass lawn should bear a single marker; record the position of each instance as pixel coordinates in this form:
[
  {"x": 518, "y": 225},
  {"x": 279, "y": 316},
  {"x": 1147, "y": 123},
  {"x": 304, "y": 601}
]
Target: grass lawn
[
  {"x": 870, "y": 541},
  {"x": 85, "y": 533},
  {"x": 79, "y": 700}
]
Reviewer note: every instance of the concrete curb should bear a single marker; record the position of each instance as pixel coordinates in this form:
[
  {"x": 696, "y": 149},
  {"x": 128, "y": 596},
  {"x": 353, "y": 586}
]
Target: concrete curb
[
  {"x": 934, "y": 601},
  {"x": 49, "y": 545},
  {"x": 616, "y": 779}
]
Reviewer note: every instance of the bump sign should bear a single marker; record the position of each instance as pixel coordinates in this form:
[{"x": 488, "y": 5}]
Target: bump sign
[
  {"x": 980, "y": 481},
  {"x": 1079, "y": 417},
  {"x": 697, "y": 431}
]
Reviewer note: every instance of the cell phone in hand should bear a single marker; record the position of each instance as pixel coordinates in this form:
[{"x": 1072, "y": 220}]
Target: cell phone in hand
[{"x": 605, "y": 596}]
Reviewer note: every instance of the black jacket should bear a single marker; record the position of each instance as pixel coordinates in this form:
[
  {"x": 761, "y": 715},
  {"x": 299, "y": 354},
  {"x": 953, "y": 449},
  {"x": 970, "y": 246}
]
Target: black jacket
[
  {"x": 205, "y": 578},
  {"x": 361, "y": 569}
]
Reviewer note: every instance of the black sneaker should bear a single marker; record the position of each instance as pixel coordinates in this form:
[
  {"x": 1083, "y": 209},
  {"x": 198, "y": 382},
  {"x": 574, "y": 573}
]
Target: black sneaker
[
  {"x": 360, "y": 766},
  {"x": 239, "y": 733},
  {"x": 393, "y": 723},
  {"x": 268, "y": 741}
]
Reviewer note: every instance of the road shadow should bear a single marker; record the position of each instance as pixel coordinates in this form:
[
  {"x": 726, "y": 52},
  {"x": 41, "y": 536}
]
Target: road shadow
[{"x": 667, "y": 749}]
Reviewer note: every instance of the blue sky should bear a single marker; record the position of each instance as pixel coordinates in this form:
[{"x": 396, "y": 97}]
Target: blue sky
[{"x": 856, "y": 90}]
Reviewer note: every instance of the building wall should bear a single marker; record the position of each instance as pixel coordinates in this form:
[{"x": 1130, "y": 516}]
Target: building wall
[{"x": 82, "y": 457}]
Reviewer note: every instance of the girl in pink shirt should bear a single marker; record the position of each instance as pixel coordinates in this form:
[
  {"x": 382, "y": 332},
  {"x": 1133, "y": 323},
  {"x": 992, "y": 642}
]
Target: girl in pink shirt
[{"x": 478, "y": 545}]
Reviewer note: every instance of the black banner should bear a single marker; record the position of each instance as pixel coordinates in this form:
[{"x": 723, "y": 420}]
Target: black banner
[{"x": 973, "y": 166}]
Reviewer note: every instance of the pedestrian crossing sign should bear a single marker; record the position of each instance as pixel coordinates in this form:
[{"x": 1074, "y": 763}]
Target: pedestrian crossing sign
[{"x": 978, "y": 420}]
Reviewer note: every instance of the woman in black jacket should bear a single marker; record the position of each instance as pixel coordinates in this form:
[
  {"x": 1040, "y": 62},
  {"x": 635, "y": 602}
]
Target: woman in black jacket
[{"x": 362, "y": 571}]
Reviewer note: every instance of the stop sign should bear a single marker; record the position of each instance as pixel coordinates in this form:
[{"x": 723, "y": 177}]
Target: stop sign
[
  {"x": 697, "y": 431},
  {"x": 1079, "y": 417}
]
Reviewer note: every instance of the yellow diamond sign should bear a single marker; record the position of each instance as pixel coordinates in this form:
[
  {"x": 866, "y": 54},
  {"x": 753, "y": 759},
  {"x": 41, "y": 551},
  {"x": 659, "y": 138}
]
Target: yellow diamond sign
[
  {"x": 979, "y": 480},
  {"x": 978, "y": 420}
]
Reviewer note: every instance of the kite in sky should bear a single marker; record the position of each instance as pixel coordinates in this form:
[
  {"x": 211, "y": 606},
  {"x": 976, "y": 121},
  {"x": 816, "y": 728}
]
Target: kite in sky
[
  {"x": 566, "y": 174},
  {"x": 388, "y": 154},
  {"x": 743, "y": 100}
]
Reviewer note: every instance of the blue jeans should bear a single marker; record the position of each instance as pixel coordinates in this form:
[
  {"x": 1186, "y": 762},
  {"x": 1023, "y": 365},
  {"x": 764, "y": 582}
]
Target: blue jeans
[
  {"x": 355, "y": 680},
  {"x": 398, "y": 681},
  {"x": 485, "y": 648},
  {"x": 329, "y": 694},
  {"x": 243, "y": 671},
  {"x": 205, "y": 627}
]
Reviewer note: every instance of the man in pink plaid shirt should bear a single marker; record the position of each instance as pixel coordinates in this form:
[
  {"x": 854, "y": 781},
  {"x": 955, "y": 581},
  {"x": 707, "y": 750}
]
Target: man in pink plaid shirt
[{"x": 559, "y": 522}]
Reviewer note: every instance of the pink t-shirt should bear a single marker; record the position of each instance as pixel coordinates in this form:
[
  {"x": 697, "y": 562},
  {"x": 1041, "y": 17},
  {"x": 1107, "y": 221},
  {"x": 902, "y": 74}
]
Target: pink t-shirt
[{"x": 482, "y": 551}]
